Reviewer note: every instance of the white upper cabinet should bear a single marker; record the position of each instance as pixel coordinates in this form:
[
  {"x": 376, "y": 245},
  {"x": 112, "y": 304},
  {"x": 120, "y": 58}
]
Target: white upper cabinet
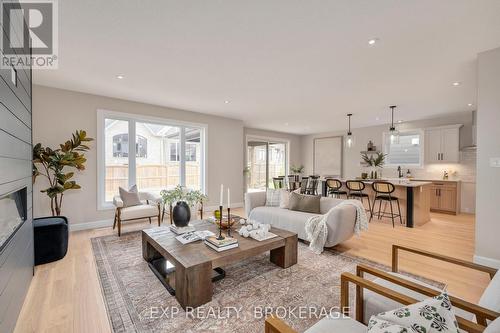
[{"x": 442, "y": 144}]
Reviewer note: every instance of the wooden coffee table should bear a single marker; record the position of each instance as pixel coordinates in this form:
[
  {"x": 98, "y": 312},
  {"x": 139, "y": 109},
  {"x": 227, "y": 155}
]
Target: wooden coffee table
[{"x": 194, "y": 263}]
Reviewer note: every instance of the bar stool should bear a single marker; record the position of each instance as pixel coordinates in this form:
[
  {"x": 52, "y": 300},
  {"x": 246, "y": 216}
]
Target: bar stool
[
  {"x": 334, "y": 186},
  {"x": 383, "y": 192},
  {"x": 356, "y": 188}
]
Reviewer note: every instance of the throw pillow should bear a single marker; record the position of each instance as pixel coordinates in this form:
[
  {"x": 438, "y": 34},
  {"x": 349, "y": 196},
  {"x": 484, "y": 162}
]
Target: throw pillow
[
  {"x": 285, "y": 198},
  {"x": 130, "y": 197},
  {"x": 273, "y": 197},
  {"x": 432, "y": 315},
  {"x": 304, "y": 203}
]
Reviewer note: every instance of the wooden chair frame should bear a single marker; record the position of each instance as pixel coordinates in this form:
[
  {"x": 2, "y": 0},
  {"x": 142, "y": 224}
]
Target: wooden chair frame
[
  {"x": 482, "y": 314},
  {"x": 276, "y": 325},
  {"x": 118, "y": 220}
]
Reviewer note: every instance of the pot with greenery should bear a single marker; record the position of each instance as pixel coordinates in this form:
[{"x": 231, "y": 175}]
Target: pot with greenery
[
  {"x": 297, "y": 171},
  {"x": 180, "y": 201},
  {"x": 53, "y": 164},
  {"x": 376, "y": 163}
]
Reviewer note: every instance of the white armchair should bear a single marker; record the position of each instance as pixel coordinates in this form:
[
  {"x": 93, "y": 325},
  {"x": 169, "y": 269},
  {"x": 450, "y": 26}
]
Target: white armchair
[{"x": 150, "y": 208}]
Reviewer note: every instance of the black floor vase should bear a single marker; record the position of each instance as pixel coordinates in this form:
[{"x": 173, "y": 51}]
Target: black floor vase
[{"x": 181, "y": 214}]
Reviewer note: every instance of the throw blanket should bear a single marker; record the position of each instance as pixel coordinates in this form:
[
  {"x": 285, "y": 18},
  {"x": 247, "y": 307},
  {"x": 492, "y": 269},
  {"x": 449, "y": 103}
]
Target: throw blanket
[{"x": 317, "y": 230}]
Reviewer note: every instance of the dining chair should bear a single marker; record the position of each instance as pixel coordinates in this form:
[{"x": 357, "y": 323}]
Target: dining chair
[{"x": 278, "y": 182}]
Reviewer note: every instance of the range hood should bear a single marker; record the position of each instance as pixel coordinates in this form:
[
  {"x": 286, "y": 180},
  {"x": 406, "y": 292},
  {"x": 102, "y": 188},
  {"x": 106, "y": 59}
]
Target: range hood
[{"x": 473, "y": 146}]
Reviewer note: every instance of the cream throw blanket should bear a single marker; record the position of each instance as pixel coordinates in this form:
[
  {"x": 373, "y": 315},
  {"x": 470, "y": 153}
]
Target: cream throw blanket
[{"x": 317, "y": 230}]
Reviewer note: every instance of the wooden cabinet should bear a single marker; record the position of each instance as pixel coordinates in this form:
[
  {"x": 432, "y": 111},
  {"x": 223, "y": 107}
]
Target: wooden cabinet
[
  {"x": 442, "y": 144},
  {"x": 445, "y": 197}
]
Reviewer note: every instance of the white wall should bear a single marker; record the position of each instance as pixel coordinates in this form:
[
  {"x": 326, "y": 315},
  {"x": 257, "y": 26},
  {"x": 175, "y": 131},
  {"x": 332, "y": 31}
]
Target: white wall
[
  {"x": 58, "y": 113},
  {"x": 488, "y": 141},
  {"x": 465, "y": 170}
]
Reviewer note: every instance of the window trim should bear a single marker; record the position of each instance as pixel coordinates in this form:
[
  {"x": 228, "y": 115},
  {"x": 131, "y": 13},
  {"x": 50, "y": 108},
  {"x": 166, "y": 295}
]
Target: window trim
[
  {"x": 385, "y": 140},
  {"x": 102, "y": 114}
]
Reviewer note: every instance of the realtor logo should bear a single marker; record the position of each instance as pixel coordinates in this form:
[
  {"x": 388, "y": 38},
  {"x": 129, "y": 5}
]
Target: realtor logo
[{"x": 30, "y": 34}]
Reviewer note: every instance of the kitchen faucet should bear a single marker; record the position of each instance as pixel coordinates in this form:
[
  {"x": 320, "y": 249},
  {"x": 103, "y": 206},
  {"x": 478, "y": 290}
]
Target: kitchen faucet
[{"x": 400, "y": 172}]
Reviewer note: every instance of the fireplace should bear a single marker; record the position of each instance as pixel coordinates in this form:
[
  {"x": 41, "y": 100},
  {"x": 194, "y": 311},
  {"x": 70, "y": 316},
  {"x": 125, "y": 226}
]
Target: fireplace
[{"x": 13, "y": 213}]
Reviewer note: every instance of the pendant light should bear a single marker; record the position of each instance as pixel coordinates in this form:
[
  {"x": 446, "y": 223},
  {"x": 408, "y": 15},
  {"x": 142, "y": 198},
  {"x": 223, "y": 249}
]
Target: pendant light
[
  {"x": 349, "y": 139},
  {"x": 394, "y": 134}
]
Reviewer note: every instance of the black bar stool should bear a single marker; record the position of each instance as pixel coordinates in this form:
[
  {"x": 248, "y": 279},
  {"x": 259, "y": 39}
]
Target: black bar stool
[
  {"x": 334, "y": 188},
  {"x": 356, "y": 188},
  {"x": 383, "y": 192}
]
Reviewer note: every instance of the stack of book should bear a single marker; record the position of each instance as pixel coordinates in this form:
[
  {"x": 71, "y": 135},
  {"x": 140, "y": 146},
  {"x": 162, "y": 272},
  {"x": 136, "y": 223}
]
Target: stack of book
[
  {"x": 221, "y": 245},
  {"x": 181, "y": 230}
]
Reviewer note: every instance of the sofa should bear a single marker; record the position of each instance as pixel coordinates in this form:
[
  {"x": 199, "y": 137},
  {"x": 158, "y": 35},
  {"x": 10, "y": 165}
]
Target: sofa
[{"x": 340, "y": 223}]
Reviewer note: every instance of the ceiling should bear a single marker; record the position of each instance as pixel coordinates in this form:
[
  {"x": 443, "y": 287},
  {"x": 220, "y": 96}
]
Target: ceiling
[{"x": 287, "y": 65}]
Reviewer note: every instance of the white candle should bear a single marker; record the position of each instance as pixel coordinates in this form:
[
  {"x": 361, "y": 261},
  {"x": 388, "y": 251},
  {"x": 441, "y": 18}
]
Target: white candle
[
  {"x": 228, "y": 198},
  {"x": 221, "y": 194}
]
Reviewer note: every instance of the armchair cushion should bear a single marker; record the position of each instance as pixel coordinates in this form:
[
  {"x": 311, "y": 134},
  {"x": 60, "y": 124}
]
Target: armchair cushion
[
  {"x": 493, "y": 327},
  {"x": 130, "y": 197},
  {"x": 491, "y": 296},
  {"x": 375, "y": 303},
  {"x": 137, "y": 212},
  {"x": 336, "y": 322}
]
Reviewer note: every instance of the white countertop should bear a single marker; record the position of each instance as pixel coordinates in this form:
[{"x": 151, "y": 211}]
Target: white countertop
[{"x": 396, "y": 182}]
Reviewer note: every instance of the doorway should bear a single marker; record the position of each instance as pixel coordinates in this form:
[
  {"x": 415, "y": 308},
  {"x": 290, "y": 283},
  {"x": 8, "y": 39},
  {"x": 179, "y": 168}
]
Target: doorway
[{"x": 266, "y": 159}]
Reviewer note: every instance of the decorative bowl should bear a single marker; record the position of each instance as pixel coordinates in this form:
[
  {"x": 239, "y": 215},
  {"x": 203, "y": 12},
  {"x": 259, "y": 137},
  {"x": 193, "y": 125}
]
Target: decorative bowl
[{"x": 227, "y": 224}]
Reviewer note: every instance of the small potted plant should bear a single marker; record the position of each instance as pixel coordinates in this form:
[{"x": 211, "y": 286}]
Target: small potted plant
[{"x": 376, "y": 163}]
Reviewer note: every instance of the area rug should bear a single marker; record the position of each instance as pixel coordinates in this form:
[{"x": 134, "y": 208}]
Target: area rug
[{"x": 136, "y": 300}]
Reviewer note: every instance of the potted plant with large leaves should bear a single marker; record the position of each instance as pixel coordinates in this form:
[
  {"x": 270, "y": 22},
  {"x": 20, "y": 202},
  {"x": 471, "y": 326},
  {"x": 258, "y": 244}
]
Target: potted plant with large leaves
[{"x": 53, "y": 164}]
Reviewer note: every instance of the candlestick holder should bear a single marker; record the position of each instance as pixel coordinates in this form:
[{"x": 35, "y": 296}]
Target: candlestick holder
[
  {"x": 228, "y": 222},
  {"x": 220, "y": 237}
]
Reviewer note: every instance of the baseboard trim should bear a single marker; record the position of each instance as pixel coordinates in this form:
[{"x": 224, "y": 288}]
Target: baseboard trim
[
  {"x": 91, "y": 225},
  {"x": 490, "y": 262},
  {"x": 109, "y": 222}
]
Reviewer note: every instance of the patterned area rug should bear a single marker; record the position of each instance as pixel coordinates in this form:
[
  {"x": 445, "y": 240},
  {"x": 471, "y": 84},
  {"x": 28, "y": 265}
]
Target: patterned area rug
[{"x": 137, "y": 301}]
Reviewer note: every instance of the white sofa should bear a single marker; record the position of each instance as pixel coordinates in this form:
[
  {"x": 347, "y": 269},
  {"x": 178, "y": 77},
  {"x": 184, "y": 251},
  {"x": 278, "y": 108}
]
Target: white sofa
[{"x": 340, "y": 224}]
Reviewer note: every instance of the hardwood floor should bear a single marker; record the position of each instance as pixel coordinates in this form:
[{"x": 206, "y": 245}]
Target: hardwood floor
[{"x": 65, "y": 296}]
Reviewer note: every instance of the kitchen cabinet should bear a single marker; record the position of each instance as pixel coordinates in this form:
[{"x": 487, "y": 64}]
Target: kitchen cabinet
[
  {"x": 445, "y": 197},
  {"x": 442, "y": 144}
]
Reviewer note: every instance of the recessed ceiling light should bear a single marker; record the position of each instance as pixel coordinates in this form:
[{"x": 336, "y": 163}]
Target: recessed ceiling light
[
  {"x": 120, "y": 77},
  {"x": 286, "y": 124},
  {"x": 400, "y": 121},
  {"x": 373, "y": 41},
  {"x": 470, "y": 104},
  {"x": 226, "y": 102},
  {"x": 377, "y": 118},
  {"x": 456, "y": 84}
]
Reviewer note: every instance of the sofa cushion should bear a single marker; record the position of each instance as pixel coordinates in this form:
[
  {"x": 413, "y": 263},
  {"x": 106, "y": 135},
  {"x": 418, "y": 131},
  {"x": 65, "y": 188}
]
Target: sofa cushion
[
  {"x": 282, "y": 218},
  {"x": 130, "y": 197},
  {"x": 337, "y": 323},
  {"x": 137, "y": 212},
  {"x": 491, "y": 296},
  {"x": 304, "y": 203},
  {"x": 375, "y": 303},
  {"x": 273, "y": 197}
]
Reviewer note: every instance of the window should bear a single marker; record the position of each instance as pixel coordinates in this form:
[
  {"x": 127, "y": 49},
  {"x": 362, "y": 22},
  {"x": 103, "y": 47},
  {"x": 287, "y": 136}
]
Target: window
[
  {"x": 408, "y": 152},
  {"x": 167, "y": 154},
  {"x": 120, "y": 146},
  {"x": 174, "y": 151}
]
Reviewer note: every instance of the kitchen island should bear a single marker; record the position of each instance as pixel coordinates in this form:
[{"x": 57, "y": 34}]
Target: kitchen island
[{"x": 414, "y": 198}]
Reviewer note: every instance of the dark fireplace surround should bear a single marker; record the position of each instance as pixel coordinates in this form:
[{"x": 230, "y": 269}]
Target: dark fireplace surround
[{"x": 13, "y": 213}]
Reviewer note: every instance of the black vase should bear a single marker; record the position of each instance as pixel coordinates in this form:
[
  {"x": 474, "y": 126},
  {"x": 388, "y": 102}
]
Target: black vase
[{"x": 181, "y": 214}]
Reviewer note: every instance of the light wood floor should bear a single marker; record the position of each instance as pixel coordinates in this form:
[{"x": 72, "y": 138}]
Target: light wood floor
[{"x": 65, "y": 296}]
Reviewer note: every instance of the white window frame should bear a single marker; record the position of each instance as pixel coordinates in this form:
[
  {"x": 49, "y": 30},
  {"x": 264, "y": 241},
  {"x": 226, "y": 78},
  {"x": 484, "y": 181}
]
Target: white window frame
[
  {"x": 386, "y": 143},
  {"x": 132, "y": 119}
]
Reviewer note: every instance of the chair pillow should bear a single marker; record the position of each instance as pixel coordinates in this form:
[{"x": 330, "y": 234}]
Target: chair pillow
[
  {"x": 491, "y": 295},
  {"x": 432, "y": 315},
  {"x": 130, "y": 197},
  {"x": 273, "y": 197},
  {"x": 304, "y": 203}
]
